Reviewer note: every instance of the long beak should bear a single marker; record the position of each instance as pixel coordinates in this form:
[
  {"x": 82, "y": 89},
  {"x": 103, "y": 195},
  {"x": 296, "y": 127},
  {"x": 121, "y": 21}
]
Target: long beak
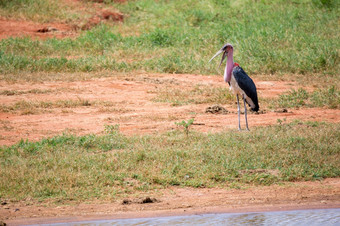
[
  {"x": 218, "y": 53},
  {"x": 223, "y": 57}
]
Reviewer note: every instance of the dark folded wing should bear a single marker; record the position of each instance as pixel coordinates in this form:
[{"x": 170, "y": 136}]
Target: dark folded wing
[{"x": 247, "y": 85}]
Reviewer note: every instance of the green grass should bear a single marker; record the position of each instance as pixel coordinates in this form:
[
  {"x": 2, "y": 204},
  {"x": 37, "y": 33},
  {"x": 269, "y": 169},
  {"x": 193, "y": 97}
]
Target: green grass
[
  {"x": 111, "y": 165},
  {"x": 329, "y": 98},
  {"x": 271, "y": 37}
]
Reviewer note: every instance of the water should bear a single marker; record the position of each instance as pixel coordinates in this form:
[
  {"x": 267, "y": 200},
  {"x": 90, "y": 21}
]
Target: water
[{"x": 322, "y": 217}]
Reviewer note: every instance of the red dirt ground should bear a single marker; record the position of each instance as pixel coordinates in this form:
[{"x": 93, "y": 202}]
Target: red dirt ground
[
  {"x": 12, "y": 28},
  {"x": 131, "y": 105}
]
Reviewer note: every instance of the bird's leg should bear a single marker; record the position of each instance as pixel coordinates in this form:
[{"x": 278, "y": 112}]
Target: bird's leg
[
  {"x": 238, "y": 112},
  {"x": 245, "y": 112}
]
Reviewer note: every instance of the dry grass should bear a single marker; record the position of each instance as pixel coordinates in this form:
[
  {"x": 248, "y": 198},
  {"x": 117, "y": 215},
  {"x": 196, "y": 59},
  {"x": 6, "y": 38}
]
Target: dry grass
[
  {"x": 199, "y": 94},
  {"x": 36, "y": 107}
]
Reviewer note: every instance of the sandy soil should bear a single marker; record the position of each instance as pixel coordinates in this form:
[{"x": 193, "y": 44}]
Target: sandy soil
[
  {"x": 184, "y": 201},
  {"x": 129, "y": 101}
]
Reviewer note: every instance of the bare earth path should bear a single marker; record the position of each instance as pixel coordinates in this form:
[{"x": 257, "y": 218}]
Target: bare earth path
[{"x": 129, "y": 100}]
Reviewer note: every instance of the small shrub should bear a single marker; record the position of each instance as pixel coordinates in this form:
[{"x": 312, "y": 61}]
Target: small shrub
[{"x": 186, "y": 125}]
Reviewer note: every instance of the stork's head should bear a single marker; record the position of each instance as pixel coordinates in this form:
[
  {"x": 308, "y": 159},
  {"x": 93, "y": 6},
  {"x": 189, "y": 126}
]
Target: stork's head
[{"x": 227, "y": 48}]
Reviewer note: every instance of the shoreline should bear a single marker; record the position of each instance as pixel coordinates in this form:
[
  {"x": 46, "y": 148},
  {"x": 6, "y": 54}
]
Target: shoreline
[
  {"x": 185, "y": 201},
  {"x": 171, "y": 213}
]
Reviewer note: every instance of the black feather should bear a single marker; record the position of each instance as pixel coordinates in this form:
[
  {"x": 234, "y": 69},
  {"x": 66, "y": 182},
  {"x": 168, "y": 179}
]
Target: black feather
[{"x": 247, "y": 85}]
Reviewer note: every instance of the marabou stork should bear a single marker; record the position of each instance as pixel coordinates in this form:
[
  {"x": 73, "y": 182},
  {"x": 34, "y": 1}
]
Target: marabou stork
[{"x": 240, "y": 83}]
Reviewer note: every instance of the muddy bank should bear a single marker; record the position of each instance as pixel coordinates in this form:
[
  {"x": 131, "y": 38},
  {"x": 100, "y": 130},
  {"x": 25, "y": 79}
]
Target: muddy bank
[{"x": 182, "y": 201}]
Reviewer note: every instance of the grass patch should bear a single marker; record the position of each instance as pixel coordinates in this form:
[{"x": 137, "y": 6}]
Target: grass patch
[
  {"x": 31, "y": 91},
  {"x": 329, "y": 98},
  {"x": 271, "y": 37},
  {"x": 106, "y": 166},
  {"x": 39, "y": 91},
  {"x": 36, "y": 107}
]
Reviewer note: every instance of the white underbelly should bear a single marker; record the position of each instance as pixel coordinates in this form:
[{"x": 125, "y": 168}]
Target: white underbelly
[{"x": 234, "y": 87}]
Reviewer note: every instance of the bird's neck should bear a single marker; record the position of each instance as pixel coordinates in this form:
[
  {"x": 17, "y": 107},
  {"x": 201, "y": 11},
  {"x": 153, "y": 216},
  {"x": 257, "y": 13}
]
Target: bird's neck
[{"x": 229, "y": 67}]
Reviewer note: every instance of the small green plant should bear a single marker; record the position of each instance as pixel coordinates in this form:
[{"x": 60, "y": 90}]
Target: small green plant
[
  {"x": 112, "y": 129},
  {"x": 280, "y": 122},
  {"x": 186, "y": 125}
]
